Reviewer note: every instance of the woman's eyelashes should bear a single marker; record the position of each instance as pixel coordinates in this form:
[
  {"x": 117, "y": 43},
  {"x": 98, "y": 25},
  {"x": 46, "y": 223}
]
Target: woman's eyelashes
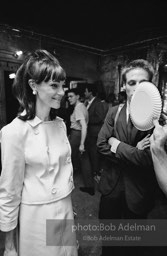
[{"x": 55, "y": 86}]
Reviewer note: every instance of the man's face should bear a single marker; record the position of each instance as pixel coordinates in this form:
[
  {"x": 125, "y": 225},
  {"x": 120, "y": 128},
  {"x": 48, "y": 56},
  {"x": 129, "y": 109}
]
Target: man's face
[
  {"x": 72, "y": 97},
  {"x": 87, "y": 94},
  {"x": 133, "y": 79}
]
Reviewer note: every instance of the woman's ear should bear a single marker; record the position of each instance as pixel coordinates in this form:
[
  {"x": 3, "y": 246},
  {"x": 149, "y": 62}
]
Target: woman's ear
[{"x": 32, "y": 84}]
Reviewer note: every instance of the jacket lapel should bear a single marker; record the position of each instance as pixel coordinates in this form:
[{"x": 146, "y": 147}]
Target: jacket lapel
[
  {"x": 125, "y": 132},
  {"x": 92, "y": 105},
  {"x": 121, "y": 125},
  {"x": 131, "y": 132}
]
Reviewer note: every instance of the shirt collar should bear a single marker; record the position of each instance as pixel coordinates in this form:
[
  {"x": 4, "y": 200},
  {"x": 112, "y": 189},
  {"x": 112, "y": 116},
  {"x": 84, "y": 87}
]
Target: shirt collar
[
  {"x": 127, "y": 110},
  {"x": 90, "y": 102}
]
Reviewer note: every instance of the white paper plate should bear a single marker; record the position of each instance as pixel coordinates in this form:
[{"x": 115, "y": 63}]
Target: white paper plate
[{"x": 146, "y": 104}]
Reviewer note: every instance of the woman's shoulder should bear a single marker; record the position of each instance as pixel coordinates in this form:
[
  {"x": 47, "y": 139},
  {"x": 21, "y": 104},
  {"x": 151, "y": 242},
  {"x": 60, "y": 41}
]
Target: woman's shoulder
[
  {"x": 14, "y": 128},
  {"x": 59, "y": 120}
]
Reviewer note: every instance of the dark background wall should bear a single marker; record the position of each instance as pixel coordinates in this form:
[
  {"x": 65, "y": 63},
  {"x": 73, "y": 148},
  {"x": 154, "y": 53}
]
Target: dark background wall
[{"x": 81, "y": 63}]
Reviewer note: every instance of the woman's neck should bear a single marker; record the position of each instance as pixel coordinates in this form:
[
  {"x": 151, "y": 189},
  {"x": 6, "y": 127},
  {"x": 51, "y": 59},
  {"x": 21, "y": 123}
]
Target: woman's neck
[
  {"x": 43, "y": 114},
  {"x": 42, "y": 117},
  {"x": 42, "y": 111}
]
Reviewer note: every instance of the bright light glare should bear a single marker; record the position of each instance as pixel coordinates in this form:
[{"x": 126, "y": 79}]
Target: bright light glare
[
  {"x": 18, "y": 53},
  {"x": 12, "y": 75}
]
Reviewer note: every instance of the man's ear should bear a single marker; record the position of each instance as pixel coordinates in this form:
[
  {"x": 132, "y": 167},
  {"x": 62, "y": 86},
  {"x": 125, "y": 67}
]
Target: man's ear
[{"x": 32, "y": 84}]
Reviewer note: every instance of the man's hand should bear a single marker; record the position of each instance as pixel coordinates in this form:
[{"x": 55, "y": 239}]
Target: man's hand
[
  {"x": 11, "y": 252},
  {"x": 144, "y": 143},
  {"x": 81, "y": 148},
  {"x": 111, "y": 141}
]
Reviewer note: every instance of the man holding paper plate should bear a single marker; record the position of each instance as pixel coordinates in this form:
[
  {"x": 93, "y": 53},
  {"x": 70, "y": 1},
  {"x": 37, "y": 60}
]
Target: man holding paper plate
[{"x": 128, "y": 181}]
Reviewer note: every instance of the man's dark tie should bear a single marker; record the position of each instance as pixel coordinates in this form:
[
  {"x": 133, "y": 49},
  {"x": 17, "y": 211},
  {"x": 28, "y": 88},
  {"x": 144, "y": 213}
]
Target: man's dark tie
[{"x": 129, "y": 128}]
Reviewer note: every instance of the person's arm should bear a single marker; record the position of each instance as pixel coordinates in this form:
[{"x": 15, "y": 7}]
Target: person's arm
[
  {"x": 159, "y": 155},
  {"x": 144, "y": 143},
  {"x": 11, "y": 183},
  {"x": 132, "y": 155},
  {"x": 107, "y": 131},
  {"x": 83, "y": 135},
  {"x": 10, "y": 249}
]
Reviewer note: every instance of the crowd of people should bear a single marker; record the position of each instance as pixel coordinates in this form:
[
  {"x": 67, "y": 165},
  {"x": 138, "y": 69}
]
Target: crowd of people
[{"x": 41, "y": 152}]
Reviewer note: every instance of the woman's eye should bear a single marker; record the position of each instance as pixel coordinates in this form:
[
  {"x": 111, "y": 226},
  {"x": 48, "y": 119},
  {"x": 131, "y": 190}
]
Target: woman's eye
[{"x": 54, "y": 85}]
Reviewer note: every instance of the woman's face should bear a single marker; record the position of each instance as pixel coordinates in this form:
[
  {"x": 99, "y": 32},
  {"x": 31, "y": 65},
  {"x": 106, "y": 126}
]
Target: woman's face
[{"x": 49, "y": 94}]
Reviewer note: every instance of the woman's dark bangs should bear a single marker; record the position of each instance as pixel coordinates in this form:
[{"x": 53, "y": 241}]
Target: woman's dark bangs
[
  {"x": 58, "y": 74},
  {"x": 45, "y": 74},
  {"x": 54, "y": 73}
]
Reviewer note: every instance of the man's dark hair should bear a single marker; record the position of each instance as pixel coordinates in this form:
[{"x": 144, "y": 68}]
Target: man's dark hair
[
  {"x": 92, "y": 88},
  {"x": 74, "y": 90},
  {"x": 139, "y": 63}
]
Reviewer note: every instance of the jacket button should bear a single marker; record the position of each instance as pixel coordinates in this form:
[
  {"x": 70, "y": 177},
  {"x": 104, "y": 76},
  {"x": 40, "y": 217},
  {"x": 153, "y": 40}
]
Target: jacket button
[
  {"x": 68, "y": 159},
  {"x": 54, "y": 190},
  {"x": 36, "y": 131}
]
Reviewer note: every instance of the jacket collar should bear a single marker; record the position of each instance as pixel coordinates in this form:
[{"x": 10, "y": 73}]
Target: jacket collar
[{"x": 34, "y": 122}]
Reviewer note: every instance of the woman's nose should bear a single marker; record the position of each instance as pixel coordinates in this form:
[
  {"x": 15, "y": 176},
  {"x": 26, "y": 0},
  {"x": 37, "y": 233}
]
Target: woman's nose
[{"x": 61, "y": 91}]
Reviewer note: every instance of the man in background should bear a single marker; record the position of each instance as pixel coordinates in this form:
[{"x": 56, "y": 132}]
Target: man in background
[
  {"x": 78, "y": 132},
  {"x": 97, "y": 113}
]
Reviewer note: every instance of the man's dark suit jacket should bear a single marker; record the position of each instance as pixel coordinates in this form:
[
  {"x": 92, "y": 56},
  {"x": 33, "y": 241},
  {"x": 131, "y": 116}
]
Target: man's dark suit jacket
[
  {"x": 97, "y": 114},
  {"x": 134, "y": 165}
]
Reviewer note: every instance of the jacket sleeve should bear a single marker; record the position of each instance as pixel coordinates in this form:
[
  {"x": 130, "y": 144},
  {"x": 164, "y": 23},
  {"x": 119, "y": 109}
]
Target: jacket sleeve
[
  {"x": 105, "y": 133},
  {"x": 133, "y": 156},
  {"x": 12, "y": 177}
]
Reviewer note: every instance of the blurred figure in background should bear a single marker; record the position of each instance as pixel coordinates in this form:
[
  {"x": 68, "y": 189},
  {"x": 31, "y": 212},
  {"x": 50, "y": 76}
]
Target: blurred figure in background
[
  {"x": 159, "y": 154},
  {"x": 122, "y": 97},
  {"x": 111, "y": 99},
  {"x": 65, "y": 111},
  {"x": 78, "y": 132},
  {"x": 97, "y": 114},
  {"x": 78, "y": 126}
]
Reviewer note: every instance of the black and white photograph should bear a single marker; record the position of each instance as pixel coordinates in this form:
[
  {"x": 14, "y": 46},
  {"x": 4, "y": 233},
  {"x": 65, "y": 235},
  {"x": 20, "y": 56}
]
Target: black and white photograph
[{"x": 83, "y": 128}]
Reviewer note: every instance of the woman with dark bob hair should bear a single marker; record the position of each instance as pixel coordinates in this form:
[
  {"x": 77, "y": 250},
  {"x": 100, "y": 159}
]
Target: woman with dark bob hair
[{"x": 37, "y": 176}]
